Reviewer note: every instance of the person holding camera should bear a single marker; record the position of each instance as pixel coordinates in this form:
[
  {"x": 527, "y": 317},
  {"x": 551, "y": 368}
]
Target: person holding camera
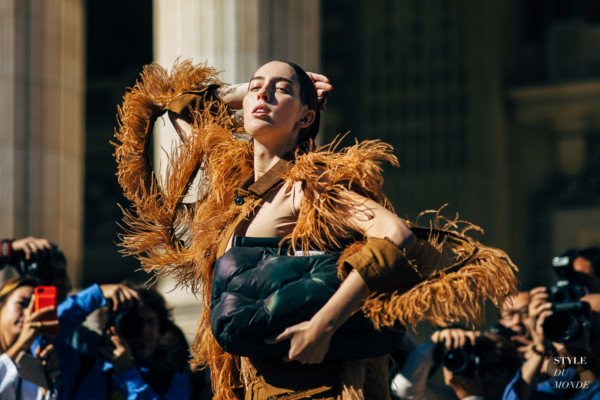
[
  {"x": 38, "y": 257},
  {"x": 131, "y": 364},
  {"x": 476, "y": 365},
  {"x": 560, "y": 369},
  {"x": 415, "y": 368},
  {"x": 19, "y": 327},
  {"x": 45, "y": 263}
]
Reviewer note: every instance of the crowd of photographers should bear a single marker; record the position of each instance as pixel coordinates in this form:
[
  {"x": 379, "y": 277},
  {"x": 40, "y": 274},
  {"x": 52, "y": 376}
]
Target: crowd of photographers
[
  {"x": 545, "y": 345},
  {"x": 128, "y": 347}
]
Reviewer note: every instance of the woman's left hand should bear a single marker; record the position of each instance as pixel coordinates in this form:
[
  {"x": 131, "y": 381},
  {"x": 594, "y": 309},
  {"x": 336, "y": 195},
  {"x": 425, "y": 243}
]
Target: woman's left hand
[
  {"x": 309, "y": 342},
  {"x": 323, "y": 87}
]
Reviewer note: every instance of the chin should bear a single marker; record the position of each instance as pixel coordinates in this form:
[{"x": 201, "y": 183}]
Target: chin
[{"x": 257, "y": 126}]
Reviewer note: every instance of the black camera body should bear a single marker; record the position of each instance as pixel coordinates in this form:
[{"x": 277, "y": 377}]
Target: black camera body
[
  {"x": 128, "y": 323},
  {"x": 570, "y": 313},
  {"x": 44, "y": 265},
  {"x": 461, "y": 361}
]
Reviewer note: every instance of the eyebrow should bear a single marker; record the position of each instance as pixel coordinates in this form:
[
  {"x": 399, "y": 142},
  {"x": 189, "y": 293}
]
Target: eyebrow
[{"x": 276, "y": 79}]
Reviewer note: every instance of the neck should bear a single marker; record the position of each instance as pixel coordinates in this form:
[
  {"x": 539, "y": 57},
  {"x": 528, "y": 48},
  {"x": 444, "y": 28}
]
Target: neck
[
  {"x": 265, "y": 157},
  {"x": 4, "y": 343}
]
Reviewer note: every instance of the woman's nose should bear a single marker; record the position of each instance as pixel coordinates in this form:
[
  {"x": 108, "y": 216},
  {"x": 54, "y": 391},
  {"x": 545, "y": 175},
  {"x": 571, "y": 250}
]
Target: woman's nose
[{"x": 263, "y": 93}]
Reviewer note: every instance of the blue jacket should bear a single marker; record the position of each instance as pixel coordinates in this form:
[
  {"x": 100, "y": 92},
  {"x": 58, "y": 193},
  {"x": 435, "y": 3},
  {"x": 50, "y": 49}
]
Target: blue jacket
[
  {"x": 100, "y": 381},
  {"x": 552, "y": 388}
]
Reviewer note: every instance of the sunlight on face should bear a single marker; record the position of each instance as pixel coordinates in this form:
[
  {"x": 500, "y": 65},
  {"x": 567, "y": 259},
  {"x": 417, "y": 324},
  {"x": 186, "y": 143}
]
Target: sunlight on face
[
  {"x": 272, "y": 106},
  {"x": 12, "y": 314}
]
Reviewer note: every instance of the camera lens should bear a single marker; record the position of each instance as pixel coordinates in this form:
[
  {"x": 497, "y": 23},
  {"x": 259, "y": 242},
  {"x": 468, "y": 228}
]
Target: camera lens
[
  {"x": 561, "y": 327},
  {"x": 129, "y": 324},
  {"x": 456, "y": 360}
]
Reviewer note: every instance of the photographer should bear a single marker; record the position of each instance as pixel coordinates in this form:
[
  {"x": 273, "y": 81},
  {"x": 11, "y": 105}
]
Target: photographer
[
  {"x": 19, "y": 326},
  {"x": 586, "y": 261},
  {"x": 133, "y": 365},
  {"x": 48, "y": 264},
  {"x": 39, "y": 258},
  {"x": 476, "y": 365},
  {"x": 415, "y": 364},
  {"x": 544, "y": 374},
  {"x": 28, "y": 246}
]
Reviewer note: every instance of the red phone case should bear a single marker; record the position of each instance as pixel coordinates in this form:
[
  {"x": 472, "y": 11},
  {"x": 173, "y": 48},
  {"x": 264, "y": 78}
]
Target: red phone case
[{"x": 45, "y": 296}]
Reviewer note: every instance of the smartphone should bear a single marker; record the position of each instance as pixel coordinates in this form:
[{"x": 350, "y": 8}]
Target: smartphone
[{"x": 45, "y": 296}]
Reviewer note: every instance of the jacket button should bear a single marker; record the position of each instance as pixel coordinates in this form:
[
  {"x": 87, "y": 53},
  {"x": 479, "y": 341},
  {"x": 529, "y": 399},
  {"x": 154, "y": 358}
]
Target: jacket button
[{"x": 239, "y": 200}]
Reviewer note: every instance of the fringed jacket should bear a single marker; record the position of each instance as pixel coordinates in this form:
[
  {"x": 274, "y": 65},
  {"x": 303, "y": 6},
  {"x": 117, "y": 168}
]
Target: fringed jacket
[{"x": 455, "y": 273}]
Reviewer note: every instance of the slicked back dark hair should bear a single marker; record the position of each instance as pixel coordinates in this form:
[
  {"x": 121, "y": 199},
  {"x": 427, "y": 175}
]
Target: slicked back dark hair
[{"x": 308, "y": 97}]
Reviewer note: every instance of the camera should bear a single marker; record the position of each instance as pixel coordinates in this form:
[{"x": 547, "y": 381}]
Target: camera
[
  {"x": 464, "y": 360},
  {"x": 570, "y": 313},
  {"x": 127, "y": 323},
  {"x": 44, "y": 265}
]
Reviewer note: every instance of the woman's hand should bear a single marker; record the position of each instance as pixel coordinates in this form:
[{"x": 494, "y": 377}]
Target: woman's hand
[
  {"x": 34, "y": 324},
  {"x": 309, "y": 342},
  {"x": 323, "y": 87}
]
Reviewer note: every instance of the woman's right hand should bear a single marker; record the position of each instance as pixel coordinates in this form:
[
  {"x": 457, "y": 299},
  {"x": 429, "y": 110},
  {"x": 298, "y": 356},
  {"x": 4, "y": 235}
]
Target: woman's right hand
[{"x": 34, "y": 324}]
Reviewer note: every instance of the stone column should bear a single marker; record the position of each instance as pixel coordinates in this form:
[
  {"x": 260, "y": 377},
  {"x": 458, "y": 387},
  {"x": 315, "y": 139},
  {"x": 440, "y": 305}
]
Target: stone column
[
  {"x": 236, "y": 37},
  {"x": 41, "y": 128}
]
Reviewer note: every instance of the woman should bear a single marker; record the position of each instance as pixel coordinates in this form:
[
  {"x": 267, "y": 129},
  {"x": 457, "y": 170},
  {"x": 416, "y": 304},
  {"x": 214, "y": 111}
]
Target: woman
[
  {"x": 279, "y": 185},
  {"x": 19, "y": 326}
]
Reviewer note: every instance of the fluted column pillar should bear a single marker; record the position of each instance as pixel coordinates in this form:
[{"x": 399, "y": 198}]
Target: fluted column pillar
[
  {"x": 41, "y": 123},
  {"x": 236, "y": 37}
]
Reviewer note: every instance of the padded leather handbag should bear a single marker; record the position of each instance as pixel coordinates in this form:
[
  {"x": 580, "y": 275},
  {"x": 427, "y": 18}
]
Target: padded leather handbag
[{"x": 258, "y": 292}]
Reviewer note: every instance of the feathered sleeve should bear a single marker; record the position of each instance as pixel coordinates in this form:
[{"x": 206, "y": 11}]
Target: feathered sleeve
[
  {"x": 157, "y": 224},
  {"x": 445, "y": 277}
]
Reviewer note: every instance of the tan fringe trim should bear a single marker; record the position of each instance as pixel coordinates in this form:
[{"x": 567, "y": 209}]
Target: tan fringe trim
[
  {"x": 461, "y": 274},
  {"x": 352, "y": 380},
  {"x": 157, "y": 224},
  {"x": 327, "y": 175}
]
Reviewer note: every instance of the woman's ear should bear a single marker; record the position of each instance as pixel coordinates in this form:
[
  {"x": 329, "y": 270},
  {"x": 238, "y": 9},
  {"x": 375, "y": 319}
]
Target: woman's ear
[{"x": 307, "y": 118}]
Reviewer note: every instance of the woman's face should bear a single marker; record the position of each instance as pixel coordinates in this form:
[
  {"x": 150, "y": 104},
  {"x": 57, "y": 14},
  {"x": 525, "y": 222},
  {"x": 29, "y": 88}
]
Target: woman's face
[
  {"x": 12, "y": 314},
  {"x": 273, "y": 110}
]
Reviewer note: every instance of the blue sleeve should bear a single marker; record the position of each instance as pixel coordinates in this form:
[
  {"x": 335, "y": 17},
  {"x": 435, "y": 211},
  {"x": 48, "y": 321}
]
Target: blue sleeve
[
  {"x": 180, "y": 387},
  {"x": 133, "y": 387},
  {"x": 546, "y": 389},
  {"x": 75, "y": 309},
  {"x": 510, "y": 393}
]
